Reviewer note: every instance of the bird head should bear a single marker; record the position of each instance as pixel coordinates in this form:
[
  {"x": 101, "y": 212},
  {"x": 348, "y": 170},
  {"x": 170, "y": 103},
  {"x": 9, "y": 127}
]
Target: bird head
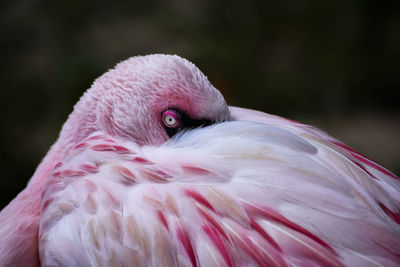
[{"x": 147, "y": 99}]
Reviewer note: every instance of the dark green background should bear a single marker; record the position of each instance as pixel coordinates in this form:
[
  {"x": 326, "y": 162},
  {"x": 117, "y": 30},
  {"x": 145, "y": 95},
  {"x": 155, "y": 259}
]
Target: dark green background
[{"x": 334, "y": 64}]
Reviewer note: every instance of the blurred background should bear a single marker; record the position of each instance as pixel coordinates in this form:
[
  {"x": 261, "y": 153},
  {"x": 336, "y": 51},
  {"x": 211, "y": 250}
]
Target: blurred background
[{"x": 332, "y": 64}]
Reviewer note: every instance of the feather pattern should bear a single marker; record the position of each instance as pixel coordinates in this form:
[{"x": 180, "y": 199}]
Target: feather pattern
[
  {"x": 257, "y": 191},
  {"x": 232, "y": 187}
]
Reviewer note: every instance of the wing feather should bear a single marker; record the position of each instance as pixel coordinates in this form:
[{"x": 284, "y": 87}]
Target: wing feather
[{"x": 264, "y": 193}]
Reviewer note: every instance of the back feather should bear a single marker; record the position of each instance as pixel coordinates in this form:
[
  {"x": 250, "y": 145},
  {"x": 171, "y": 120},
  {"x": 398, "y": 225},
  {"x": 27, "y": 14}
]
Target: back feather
[{"x": 239, "y": 193}]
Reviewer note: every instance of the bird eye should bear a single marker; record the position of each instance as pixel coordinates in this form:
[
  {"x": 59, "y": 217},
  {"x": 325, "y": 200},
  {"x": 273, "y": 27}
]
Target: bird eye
[{"x": 170, "y": 119}]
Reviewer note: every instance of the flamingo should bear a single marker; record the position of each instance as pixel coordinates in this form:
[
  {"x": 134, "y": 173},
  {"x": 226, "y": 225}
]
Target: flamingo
[{"x": 152, "y": 168}]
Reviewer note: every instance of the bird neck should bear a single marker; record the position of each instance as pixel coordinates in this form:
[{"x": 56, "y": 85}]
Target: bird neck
[
  {"x": 79, "y": 125},
  {"x": 20, "y": 219}
]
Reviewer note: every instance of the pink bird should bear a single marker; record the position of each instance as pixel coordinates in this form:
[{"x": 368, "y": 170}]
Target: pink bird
[{"x": 152, "y": 168}]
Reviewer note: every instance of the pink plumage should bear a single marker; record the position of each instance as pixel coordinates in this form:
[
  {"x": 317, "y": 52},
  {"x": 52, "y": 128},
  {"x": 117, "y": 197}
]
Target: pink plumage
[{"x": 152, "y": 168}]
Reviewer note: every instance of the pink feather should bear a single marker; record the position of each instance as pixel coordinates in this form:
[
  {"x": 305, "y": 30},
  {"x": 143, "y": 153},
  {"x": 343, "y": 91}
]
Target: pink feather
[{"x": 252, "y": 189}]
